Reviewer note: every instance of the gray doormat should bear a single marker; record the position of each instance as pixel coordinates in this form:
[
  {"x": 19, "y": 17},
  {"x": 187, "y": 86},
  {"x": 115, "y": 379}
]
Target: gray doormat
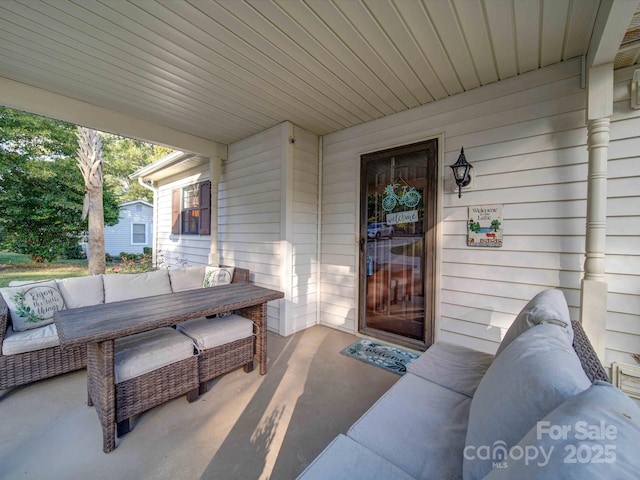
[{"x": 390, "y": 358}]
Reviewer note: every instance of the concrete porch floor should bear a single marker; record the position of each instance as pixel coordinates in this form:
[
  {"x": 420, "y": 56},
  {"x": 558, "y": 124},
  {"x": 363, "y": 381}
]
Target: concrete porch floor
[{"x": 246, "y": 427}]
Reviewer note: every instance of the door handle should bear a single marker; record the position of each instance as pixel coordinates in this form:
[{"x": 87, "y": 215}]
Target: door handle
[{"x": 362, "y": 242}]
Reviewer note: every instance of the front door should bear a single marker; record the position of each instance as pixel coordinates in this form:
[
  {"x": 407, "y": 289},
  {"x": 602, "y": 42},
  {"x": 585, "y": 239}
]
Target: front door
[{"x": 397, "y": 244}]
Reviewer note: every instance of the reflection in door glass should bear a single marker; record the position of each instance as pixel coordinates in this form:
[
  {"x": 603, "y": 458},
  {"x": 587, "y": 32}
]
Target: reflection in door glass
[{"x": 395, "y": 217}]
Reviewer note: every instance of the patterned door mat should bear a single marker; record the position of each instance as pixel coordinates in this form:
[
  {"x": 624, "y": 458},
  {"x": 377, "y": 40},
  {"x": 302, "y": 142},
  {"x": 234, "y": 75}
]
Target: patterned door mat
[{"x": 390, "y": 358}]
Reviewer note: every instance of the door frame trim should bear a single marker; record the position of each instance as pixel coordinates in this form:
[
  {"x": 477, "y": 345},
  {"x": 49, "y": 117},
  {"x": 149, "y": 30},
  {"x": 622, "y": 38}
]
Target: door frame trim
[{"x": 436, "y": 256}]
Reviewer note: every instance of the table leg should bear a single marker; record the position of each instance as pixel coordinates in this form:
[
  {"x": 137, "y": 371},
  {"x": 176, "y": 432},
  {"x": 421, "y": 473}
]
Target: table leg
[
  {"x": 102, "y": 389},
  {"x": 258, "y": 315}
]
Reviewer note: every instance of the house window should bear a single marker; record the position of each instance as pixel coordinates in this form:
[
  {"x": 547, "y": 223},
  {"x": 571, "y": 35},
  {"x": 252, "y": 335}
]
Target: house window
[
  {"x": 191, "y": 209},
  {"x": 138, "y": 234}
]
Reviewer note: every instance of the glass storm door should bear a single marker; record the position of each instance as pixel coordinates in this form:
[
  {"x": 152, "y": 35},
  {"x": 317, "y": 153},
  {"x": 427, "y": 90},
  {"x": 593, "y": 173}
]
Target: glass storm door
[{"x": 397, "y": 244}]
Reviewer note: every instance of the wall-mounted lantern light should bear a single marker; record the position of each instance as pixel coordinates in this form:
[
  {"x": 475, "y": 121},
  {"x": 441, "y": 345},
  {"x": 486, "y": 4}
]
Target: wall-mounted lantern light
[
  {"x": 461, "y": 172},
  {"x": 635, "y": 91}
]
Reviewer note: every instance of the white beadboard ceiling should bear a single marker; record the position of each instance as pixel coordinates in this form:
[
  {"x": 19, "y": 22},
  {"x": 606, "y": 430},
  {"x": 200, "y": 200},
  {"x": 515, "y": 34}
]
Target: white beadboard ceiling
[{"x": 224, "y": 70}]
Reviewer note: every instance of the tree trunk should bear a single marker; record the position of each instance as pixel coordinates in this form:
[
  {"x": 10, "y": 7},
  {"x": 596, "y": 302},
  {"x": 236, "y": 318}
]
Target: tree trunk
[
  {"x": 97, "y": 263},
  {"x": 90, "y": 164}
]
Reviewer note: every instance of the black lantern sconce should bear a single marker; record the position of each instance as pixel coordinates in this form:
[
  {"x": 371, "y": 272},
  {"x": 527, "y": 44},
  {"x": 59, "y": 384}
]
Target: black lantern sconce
[{"x": 461, "y": 172}]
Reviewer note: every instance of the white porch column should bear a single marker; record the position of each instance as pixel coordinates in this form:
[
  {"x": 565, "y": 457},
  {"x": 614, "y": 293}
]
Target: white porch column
[
  {"x": 593, "y": 300},
  {"x": 215, "y": 164}
]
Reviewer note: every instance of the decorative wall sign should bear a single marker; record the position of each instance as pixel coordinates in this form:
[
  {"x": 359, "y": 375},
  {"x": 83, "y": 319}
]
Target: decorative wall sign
[
  {"x": 485, "y": 226},
  {"x": 410, "y": 216}
]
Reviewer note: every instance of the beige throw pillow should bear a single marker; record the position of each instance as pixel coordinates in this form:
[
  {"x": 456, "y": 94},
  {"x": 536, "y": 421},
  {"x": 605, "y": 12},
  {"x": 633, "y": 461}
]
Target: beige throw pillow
[
  {"x": 214, "y": 276},
  {"x": 32, "y": 305}
]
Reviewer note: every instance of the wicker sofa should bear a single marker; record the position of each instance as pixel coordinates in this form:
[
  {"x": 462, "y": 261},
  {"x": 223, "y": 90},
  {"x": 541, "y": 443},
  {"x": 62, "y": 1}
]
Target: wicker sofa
[
  {"x": 20, "y": 364},
  {"x": 541, "y": 408}
]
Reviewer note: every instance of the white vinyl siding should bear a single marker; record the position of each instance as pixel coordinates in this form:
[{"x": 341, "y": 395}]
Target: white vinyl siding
[
  {"x": 623, "y": 226},
  {"x": 267, "y": 219},
  {"x": 119, "y": 238},
  {"x": 249, "y": 211},
  {"x": 304, "y": 237},
  {"x": 526, "y": 139},
  {"x": 178, "y": 250}
]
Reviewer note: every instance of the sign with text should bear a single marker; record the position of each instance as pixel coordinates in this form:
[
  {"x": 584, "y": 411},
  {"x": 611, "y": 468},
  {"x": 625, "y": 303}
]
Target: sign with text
[
  {"x": 402, "y": 217},
  {"x": 485, "y": 226}
]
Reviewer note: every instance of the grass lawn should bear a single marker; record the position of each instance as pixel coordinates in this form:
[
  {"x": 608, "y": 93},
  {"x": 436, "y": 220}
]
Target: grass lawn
[{"x": 14, "y": 266}]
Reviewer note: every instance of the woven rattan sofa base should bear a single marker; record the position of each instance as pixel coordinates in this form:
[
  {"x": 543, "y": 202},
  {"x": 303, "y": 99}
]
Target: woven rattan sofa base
[
  {"x": 24, "y": 368},
  {"x": 222, "y": 359},
  {"x": 147, "y": 391}
]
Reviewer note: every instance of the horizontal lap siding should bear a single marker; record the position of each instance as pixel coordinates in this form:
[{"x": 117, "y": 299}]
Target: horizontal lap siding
[
  {"x": 526, "y": 139},
  {"x": 178, "y": 250},
  {"x": 623, "y": 227},
  {"x": 304, "y": 237},
  {"x": 249, "y": 211}
]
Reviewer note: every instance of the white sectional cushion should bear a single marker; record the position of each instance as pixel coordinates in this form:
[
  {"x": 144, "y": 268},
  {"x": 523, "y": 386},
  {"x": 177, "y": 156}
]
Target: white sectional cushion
[
  {"x": 452, "y": 366},
  {"x": 345, "y": 459},
  {"x": 82, "y": 291},
  {"x": 19, "y": 283},
  {"x": 599, "y": 440},
  {"x": 188, "y": 278},
  {"x": 118, "y": 287},
  {"x": 536, "y": 373},
  {"x": 213, "y": 332},
  {"x": 214, "y": 276},
  {"x": 30, "y": 340},
  {"x": 145, "y": 352},
  {"x": 32, "y": 305},
  {"x": 418, "y": 426},
  {"x": 548, "y": 306}
]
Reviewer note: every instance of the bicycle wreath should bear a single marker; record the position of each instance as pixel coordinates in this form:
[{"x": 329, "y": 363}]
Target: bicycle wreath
[{"x": 409, "y": 197}]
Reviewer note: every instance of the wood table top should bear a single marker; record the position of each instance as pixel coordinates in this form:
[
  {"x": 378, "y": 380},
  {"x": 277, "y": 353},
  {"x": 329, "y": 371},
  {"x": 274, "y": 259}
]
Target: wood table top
[{"x": 108, "y": 321}]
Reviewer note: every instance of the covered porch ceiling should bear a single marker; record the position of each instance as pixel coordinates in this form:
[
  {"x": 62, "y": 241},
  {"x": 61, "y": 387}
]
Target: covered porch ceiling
[{"x": 224, "y": 70}]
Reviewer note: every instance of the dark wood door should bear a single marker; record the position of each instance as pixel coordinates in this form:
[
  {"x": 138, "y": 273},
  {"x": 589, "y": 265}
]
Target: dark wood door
[{"x": 397, "y": 244}]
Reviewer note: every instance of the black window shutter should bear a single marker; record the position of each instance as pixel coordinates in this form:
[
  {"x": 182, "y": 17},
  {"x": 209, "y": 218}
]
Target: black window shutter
[
  {"x": 175, "y": 211},
  {"x": 205, "y": 208}
]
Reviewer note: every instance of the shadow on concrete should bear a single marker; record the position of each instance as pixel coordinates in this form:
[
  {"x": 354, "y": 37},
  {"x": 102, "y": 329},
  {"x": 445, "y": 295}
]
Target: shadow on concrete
[{"x": 244, "y": 452}]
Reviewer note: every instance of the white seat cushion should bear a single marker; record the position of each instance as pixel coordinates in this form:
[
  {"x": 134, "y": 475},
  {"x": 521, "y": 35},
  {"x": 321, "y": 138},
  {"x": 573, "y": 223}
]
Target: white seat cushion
[
  {"x": 188, "y": 278},
  {"x": 125, "y": 286},
  {"x": 30, "y": 340},
  {"x": 212, "y": 332},
  {"x": 419, "y": 427},
  {"x": 144, "y": 352},
  {"x": 82, "y": 291},
  {"x": 345, "y": 459}
]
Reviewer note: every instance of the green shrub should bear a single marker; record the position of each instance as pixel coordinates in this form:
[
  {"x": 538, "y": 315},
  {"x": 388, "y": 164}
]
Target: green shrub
[{"x": 73, "y": 252}]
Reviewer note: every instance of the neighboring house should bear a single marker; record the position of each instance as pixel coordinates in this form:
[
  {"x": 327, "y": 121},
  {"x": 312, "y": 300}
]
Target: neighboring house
[{"x": 134, "y": 230}]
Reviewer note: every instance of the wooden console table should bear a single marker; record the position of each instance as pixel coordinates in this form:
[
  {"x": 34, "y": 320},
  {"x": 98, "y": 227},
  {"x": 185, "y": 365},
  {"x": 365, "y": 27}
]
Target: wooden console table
[{"x": 98, "y": 326}]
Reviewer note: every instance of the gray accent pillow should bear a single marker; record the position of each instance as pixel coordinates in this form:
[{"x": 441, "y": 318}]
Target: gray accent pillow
[
  {"x": 535, "y": 374},
  {"x": 125, "y": 286},
  {"x": 548, "y": 306},
  {"x": 186, "y": 278},
  {"x": 594, "y": 434},
  {"x": 452, "y": 366}
]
